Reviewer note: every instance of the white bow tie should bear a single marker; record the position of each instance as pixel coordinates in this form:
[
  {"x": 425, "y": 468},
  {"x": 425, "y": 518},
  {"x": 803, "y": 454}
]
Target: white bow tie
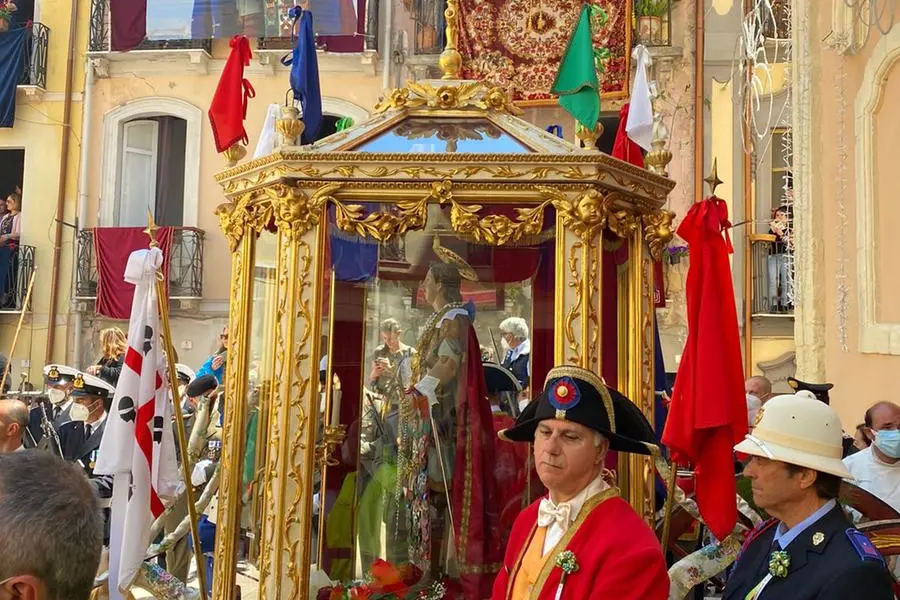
[{"x": 549, "y": 514}]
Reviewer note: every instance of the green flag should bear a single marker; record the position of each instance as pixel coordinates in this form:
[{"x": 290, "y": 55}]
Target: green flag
[{"x": 576, "y": 82}]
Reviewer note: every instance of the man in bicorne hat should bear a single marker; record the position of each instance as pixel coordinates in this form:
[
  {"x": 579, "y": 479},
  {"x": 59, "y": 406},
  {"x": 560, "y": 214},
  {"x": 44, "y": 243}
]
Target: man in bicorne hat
[
  {"x": 809, "y": 550},
  {"x": 582, "y": 537}
]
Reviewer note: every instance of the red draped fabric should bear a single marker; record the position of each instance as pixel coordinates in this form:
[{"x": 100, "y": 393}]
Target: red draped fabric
[
  {"x": 112, "y": 247},
  {"x": 476, "y": 510},
  {"x": 127, "y": 24},
  {"x": 708, "y": 413},
  {"x": 228, "y": 107}
]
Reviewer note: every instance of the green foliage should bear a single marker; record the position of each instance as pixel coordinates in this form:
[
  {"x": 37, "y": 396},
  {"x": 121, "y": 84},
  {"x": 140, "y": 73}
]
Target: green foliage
[{"x": 651, "y": 8}]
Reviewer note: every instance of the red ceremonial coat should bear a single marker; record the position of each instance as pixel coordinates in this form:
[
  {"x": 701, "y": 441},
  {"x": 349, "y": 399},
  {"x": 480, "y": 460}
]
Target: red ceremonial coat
[{"x": 618, "y": 555}]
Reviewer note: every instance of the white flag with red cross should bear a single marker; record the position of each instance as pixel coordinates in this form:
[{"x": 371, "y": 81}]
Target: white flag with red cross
[{"x": 138, "y": 445}]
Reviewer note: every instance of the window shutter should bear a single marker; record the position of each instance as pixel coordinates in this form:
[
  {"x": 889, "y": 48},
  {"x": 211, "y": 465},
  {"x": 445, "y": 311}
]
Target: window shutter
[{"x": 137, "y": 176}]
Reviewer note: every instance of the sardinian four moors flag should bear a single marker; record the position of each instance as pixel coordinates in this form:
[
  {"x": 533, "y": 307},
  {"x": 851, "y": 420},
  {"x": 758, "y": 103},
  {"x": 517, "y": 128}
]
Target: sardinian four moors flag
[{"x": 138, "y": 446}]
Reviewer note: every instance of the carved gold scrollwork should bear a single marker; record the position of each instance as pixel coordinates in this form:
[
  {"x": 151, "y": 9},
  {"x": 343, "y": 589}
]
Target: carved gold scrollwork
[
  {"x": 382, "y": 226},
  {"x": 658, "y": 231},
  {"x": 497, "y": 230},
  {"x": 449, "y": 97}
]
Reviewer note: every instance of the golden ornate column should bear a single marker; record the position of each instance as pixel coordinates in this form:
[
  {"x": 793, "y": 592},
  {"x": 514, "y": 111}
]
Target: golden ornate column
[
  {"x": 237, "y": 226},
  {"x": 293, "y": 421}
]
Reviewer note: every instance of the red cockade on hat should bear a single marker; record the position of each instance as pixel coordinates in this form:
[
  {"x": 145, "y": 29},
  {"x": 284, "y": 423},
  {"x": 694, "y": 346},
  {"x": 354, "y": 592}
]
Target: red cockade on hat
[{"x": 228, "y": 108}]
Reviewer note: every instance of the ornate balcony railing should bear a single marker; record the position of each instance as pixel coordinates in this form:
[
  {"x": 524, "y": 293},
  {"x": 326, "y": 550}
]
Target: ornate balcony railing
[
  {"x": 185, "y": 264},
  {"x": 771, "y": 277},
  {"x": 14, "y": 277},
  {"x": 98, "y": 36},
  {"x": 34, "y": 68}
]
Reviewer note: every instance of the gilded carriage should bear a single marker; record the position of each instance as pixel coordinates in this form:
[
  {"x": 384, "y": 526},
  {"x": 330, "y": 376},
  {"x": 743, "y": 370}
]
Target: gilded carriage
[{"x": 330, "y": 239}]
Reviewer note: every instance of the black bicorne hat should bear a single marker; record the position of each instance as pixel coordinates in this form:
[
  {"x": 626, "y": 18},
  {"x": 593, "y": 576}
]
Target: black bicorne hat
[
  {"x": 819, "y": 390},
  {"x": 577, "y": 395},
  {"x": 499, "y": 379}
]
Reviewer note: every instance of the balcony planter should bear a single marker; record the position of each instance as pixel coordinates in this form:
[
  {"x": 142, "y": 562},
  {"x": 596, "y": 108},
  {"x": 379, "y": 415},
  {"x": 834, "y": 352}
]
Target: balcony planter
[
  {"x": 6, "y": 12},
  {"x": 652, "y": 20}
]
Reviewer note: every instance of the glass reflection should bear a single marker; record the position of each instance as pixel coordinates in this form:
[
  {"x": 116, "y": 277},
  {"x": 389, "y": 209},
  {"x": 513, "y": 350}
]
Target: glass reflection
[
  {"x": 423, "y": 134},
  {"x": 421, "y": 479}
]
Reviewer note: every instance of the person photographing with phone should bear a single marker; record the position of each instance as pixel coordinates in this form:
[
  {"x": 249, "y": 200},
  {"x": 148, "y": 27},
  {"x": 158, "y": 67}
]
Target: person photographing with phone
[{"x": 215, "y": 364}]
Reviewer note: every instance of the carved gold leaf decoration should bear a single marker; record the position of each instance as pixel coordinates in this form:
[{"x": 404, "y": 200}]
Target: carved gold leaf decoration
[
  {"x": 497, "y": 230},
  {"x": 449, "y": 97},
  {"x": 658, "y": 231},
  {"x": 295, "y": 212},
  {"x": 382, "y": 226}
]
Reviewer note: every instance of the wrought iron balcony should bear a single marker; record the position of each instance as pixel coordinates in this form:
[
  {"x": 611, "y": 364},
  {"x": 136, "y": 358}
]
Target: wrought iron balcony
[
  {"x": 777, "y": 24},
  {"x": 772, "y": 277},
  {"x": 185, "y": 265},
  {"x": 98, "y": 36},
  {"x": 34, "y": 64},
  {"x": 14, "y": 278}
]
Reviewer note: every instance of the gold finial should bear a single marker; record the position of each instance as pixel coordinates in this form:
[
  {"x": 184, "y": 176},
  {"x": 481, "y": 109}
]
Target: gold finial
[
  {"x": 151, "y": 230},
  {"x": 713, "y": 179},
  {"x": 451, "y": 60}
]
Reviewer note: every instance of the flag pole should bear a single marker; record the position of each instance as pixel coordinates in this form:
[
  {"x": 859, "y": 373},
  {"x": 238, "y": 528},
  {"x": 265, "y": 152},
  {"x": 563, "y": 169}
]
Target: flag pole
[
  {"x": 18, "y": 330},
  {"x": 163, "y": 302}
]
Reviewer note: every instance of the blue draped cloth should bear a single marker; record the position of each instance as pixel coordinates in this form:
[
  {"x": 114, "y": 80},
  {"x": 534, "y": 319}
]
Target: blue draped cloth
[
  {"x": 354, "y": 258},
  {"x": 12, "y": 61},
  {"x": 305, "y": 78}
]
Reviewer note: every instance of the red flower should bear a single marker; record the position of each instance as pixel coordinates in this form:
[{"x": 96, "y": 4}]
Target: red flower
[
  {"x": 387, "y": 578},
  {"x": 411, "y": 574}
]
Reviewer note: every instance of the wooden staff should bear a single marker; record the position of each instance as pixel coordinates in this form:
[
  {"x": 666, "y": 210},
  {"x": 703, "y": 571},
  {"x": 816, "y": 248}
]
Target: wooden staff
[
  {"x": 163, "y": 302},
  {"x": 12, "y": 348}
]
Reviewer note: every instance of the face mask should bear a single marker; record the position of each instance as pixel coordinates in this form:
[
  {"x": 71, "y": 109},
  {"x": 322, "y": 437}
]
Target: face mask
[
  {"x": 753, "y": 400},
  {"x": 79, "y": 412},
  {"x": 888, "y": 441},
  {"x": 56, "y": 396}
]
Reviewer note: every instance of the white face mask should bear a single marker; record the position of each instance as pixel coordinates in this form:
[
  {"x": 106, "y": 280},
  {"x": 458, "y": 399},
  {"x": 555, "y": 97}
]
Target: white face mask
[
  {"x": 79, "y": 412},
  {"x": 56, "y": 396}
]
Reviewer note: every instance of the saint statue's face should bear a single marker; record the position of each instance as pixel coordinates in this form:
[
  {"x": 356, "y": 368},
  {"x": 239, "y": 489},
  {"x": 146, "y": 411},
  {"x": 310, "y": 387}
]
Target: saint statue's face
[
  {"x": 430, "y": 287},
  {"x": 567, "y": 457}
]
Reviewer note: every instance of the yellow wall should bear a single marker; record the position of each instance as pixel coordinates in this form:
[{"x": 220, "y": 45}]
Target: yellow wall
[
  {"x": 860, "y": 378},
  {"x": 38, "y": 129}
]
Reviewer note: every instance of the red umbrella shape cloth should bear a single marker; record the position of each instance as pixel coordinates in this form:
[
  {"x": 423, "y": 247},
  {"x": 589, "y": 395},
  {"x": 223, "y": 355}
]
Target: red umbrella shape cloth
[{"x": 708, "y": 414}]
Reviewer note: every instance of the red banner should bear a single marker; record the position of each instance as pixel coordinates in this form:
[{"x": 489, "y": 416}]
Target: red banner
[{"x": 113, "y": 246}]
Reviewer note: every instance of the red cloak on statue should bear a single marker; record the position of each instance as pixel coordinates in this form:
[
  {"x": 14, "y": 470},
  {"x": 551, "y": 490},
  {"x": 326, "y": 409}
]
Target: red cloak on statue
[
  {"x": 618, "y": 555},
  {"x": 708, "y": 414},
  {"x": 476, "y": 507}
]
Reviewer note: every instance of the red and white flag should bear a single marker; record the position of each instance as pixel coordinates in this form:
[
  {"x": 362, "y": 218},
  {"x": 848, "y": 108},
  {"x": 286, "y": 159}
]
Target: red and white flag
[{"x": 138, "y": 446}]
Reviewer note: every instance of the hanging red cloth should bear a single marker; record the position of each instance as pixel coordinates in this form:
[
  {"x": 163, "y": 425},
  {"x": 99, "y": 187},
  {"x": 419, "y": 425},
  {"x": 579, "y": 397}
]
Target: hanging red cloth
[
  {"x": 708, "y": 413},
  {"x": 624, "y": 148},
  {"x": 476, "y": 510},
  {"x": 112, "y": 247},
  {"x": 228, "y": 108}
]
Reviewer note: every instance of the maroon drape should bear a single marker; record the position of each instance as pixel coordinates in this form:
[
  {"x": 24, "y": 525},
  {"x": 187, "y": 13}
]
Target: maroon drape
[
  {"x": 113, "y": 246},
  {"x": 708, "y": 414},
  {"x": 127, "y": 24}
]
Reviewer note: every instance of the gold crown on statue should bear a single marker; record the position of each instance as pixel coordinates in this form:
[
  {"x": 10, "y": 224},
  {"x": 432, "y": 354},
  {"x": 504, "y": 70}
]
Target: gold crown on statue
[
  {"x": 79, "y": 382},
  {"x": 450, "y": 257}
]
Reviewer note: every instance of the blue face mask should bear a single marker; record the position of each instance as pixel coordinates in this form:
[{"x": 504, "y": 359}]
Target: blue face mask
[{"x": 888, "y": 441}]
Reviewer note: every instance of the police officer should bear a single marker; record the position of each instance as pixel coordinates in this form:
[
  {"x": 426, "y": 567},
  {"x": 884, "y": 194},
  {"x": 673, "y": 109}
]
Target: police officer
[
  {"x": 54, "y": 407},
  {"x": 809, "y": 550}
]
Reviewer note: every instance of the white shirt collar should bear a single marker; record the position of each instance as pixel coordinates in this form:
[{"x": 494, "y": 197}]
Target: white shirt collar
[
  {"x": 593, "y": 488},
  {"x": 97, "y": 423},
  {"x": 523, "y": 348}
]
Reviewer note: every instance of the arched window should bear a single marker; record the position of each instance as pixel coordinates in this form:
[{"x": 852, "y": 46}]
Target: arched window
[{"x": 151, "y": 160}]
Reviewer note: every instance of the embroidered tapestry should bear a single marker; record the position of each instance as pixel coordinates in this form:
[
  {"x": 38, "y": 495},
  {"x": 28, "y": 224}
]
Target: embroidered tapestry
[{"x": 517, "y": 44}]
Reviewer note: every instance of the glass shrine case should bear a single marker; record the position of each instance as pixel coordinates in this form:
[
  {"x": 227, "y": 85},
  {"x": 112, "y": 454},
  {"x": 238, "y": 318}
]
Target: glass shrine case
[{"x": 370, "y": 274}]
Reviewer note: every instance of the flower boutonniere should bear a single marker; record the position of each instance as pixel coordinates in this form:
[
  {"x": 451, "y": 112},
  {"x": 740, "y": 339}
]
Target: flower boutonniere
[
  {"x": 779, "y": 564},
  {"x": 567, "y": 563}
]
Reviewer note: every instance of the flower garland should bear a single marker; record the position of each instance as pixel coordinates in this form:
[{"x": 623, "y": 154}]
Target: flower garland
[{"x": 384, "y": 581}]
